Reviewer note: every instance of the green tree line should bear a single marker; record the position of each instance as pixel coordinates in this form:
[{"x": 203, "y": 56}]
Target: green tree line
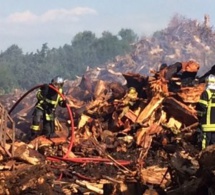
[{"x": 23, "y": 71}]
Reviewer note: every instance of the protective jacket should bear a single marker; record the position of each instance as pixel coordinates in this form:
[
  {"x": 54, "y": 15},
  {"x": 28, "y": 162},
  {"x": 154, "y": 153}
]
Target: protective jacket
[
  {"x": 47, "y": 101},
  {"x": 206, "y": 110}
]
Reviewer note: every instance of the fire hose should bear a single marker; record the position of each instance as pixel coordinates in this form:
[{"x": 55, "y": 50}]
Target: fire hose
[{"x": 66, "y": 156}]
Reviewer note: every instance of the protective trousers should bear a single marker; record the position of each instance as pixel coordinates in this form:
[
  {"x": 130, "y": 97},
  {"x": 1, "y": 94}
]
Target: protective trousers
[
  {"x": 208, "y": 139},
  {"x": 48, "y": 126}
]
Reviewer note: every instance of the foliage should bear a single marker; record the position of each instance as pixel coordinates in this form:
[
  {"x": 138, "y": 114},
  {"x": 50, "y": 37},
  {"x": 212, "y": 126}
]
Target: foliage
[{"x": 18, "y": 70}]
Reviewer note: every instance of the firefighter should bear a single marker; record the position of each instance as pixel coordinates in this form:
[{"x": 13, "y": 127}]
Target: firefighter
[
  {"x": 47, "y": 101},
  {"x": 206, "y": 112},
  {"x": 127, "y": 102}
]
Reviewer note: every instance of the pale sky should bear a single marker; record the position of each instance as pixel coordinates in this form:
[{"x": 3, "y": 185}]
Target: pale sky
[{"x": 31, "y": 23}]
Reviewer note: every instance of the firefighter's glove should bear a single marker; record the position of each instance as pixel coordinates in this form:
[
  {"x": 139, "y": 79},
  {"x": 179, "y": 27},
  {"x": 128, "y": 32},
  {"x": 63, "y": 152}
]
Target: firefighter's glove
[
  {"x": 66, "y": 101},
  {"x": 50, "y": 110}
]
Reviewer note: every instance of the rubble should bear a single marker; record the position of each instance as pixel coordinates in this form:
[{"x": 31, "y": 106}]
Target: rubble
[{"x": 152, "y": 149}]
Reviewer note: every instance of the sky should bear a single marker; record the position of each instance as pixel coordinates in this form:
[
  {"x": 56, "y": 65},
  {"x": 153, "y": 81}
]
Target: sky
[{"x": 31, "y": 23}]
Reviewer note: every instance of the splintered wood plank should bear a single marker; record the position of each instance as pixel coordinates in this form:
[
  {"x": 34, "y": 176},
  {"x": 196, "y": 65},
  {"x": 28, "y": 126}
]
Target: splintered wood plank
[
  {"x": 42, "y": 140},
  {"x": 143, "y": 135},
  {"x": 191, "y": 94},
  {"x": 131, "y": 115},
  {"x": 150, "y": 108},
  {"x": 24, "y": 152},
  {"x": 155, "y": 175},
  {"x": 179, "y": 111}
]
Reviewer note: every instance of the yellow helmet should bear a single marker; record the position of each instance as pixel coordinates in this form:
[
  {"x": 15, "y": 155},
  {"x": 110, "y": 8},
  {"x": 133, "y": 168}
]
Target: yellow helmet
[
  {"x": 132, "y": 93},
  {"x": 132, "y": 90}
]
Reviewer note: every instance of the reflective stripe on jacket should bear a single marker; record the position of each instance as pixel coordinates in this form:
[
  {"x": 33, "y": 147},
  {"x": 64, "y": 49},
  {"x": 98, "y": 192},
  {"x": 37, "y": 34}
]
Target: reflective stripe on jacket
[{"x": 207, "y": 100}]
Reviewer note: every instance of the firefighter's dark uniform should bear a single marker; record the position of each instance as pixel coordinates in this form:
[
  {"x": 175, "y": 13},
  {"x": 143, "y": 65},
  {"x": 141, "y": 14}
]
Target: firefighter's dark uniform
[
  {"x": 48, "y": 99},
  {"x": 206, "y": 113}
]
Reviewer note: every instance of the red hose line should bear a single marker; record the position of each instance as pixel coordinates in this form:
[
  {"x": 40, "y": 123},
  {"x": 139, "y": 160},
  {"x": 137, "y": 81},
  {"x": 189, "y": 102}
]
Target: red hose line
[
  {"x": 88, "y": 160},
  {"x": 68, "y": 109},
  {"x": 22, "y": 97},
  {"x": 72, "y": 123}
]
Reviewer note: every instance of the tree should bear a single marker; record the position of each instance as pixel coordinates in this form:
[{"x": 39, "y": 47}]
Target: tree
[
  {"x": 83, "y": 50},
  {"x": 128, "y": 35},
  {"x": 127, "y": 38},
  {"x": 107, "y": 47}
]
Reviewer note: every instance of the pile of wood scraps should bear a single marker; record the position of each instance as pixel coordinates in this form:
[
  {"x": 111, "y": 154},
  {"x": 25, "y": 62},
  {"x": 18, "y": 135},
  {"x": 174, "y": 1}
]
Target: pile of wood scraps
[{"x": 143, "y": 145}]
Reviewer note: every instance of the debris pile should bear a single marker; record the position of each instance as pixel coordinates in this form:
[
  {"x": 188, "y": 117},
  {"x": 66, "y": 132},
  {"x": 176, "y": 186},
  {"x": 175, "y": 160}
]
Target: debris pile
[{"x": 137, "y": 138}]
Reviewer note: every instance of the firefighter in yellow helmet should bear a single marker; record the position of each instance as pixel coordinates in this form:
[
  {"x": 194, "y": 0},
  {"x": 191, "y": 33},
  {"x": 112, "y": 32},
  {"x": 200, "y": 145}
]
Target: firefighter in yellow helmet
[
  {"x": 47, "y": 101},
  {"x": 206, "y": 112}
]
